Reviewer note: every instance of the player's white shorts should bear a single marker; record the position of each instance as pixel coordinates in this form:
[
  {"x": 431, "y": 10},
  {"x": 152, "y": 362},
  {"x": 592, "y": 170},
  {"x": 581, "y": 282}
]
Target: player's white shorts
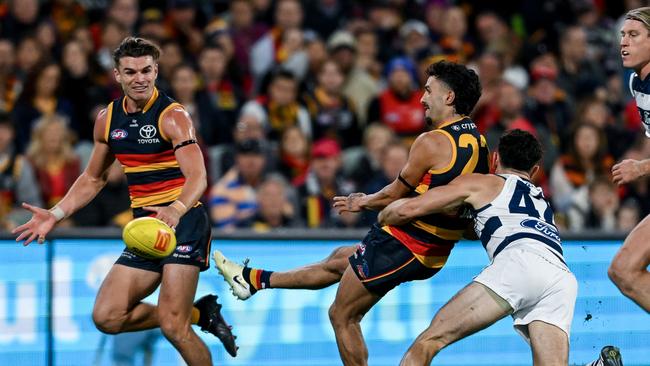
[{"x": 535, "y": 284}]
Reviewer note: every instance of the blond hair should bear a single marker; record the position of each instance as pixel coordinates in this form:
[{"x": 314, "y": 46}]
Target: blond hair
[
  {"x": 640, "y": 14},
  {"x": 35, "y": 150}
]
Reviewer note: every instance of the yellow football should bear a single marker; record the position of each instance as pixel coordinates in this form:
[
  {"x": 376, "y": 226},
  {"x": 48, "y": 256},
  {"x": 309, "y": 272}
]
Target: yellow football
[{"x": 149, "y": 237}]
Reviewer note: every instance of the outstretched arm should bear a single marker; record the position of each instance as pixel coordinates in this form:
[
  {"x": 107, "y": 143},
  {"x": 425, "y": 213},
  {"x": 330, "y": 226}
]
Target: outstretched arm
[
  {"x": 177, "y": 127},
  {"x": 437, "y": 199},
  {"x": 429, "y": 151},
  {"x": 629, "y": 170},
  {"x": 83, "y": 190}
]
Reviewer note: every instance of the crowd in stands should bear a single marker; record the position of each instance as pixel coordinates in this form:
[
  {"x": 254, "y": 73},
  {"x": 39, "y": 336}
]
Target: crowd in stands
[{"x": 295, "y": 102}]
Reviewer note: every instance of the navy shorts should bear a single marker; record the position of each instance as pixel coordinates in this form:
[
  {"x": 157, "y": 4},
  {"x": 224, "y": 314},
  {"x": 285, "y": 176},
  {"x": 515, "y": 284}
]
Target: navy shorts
[
  {"x": 193, "y": 238},
  {"x": 382, "y": 262}
]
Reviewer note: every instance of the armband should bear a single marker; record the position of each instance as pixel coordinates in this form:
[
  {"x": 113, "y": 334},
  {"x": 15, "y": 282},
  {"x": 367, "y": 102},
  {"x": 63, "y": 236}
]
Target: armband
[
  {"x": 184, "y": 143},
  {"x": 404, "y": 182}
]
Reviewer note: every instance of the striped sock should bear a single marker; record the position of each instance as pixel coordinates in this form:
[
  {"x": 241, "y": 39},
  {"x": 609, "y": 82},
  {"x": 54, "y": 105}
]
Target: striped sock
[
  {"x": 598, "y": 362},
  {"x": 258, "y": 279}
]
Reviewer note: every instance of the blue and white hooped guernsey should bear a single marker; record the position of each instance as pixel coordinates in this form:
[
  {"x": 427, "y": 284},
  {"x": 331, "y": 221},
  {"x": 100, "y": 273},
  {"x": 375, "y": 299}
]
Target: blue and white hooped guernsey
[
  {"x": 640, "y": 90},
  {"x": 518, "y": 215}
]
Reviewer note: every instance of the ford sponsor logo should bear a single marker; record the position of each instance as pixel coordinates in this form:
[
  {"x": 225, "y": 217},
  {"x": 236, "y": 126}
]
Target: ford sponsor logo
[
  {"x": 184, "y": 248},
  {"x": 542, "y": 227},
  {"x": 119, "y": 134}
]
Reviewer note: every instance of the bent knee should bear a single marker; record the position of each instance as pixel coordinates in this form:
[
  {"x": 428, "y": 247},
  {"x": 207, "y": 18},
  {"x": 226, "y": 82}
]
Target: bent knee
[
  {"x": 175, "y": 328},
  {"x": 108, "y": 321},
  {"x": 337, "y": 262}
]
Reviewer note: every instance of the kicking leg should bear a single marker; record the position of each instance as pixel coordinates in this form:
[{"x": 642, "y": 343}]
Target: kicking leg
[
  {"x": 352, "y": 302},
  {"x": 174, "y": 311},
  {"x": 629, "y": 268},
  {"x": 118, "y": 307},
  {"x": 245, "y": 281},
  {"x": 474, "y": 308},
  {"x": 549, "y": 343}
]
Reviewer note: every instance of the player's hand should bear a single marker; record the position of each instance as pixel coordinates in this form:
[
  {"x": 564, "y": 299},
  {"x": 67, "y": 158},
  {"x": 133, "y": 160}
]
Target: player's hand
[
  {"x": 167, "y": 214},
  {"x": 349, "y": 203},
  {"x": 38, "y": 226},
  {"x": 626, "y": 171}
]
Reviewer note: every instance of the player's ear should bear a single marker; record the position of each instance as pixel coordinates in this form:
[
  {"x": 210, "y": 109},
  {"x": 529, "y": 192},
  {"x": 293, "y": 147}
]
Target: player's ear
[
  {"x": 116, "y": 74},
  {"x": 450, "y": 96},
  {"x": 494, "y": 161},
  {"x": 534, "y": 171}
]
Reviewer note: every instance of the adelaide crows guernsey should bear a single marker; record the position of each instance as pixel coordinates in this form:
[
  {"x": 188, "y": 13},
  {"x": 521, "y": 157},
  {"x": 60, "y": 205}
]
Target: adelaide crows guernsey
[
  {"x": 640, "y": 90},
  {"x": 432, "y": 237},
  {"x": 147, "y": 156}
]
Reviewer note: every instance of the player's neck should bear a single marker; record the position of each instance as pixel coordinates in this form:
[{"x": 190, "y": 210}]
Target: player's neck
[
  {"x": 450, "y": 118},
  {"x": 519, "y": 173},
  {"x": 133, "y": 106},
  {"x": 644, "y": 71}
]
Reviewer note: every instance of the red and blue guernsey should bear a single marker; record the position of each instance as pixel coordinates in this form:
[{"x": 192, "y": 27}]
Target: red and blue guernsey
[{"x": 146, "y": 154}]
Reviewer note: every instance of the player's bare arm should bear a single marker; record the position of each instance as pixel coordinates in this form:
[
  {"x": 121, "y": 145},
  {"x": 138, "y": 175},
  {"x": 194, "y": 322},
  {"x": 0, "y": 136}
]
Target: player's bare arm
[
  {"x": 630, "y": 170},
  {"x": 82, "y": 191},
  {"x": 177, "y": 127},
  {"x": 474, "y": 189},
  {"x": 430, "y": 150}
]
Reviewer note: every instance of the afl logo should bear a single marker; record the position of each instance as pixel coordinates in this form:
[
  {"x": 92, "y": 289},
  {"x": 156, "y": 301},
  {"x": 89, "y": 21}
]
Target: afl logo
[
  {"x": 147, "y": 131},
  {"x": 184, "y": 248},
  {"x": 119, "y": 134}
]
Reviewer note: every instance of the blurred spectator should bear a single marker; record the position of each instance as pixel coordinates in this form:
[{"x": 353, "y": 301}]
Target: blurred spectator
[
  {"x": 294, "y": 157},
  {"x": 585, "y": 161},
  {"x": 596, "y": 112},
  {"x": 510, "y": 109},
  {"x": 359, "y": 86},
  {"x": 41, "y": 96},
  {"x": 21, "y": 19},
  {"x": 393, "y": 159},
  {"x": 77, "y": 76},
  {"x": 332, "y": 114},
  {"x": 244, "y": 32},
  {"x": 10, "y": 84},
  {"x": 579, "y": 75},
  {"x": 453, "y": 41},
  {"x": 112, "y": 33},
  {"x": 181, "y": 21},
  {"x": 17, "y": 180},
  {"x": 367, "y": 52},
  {"x": 546, "y": 104},
  {"x": 232, "y": 198},
  {"x": 274, "y": 209},
  {"x": 322, "y": 184},
  {"x": 490, "y": 71},
  {"x": 368, "y": 163},
  {"x": 280, "y": 109},
  {"x": 414, "y": 36},
  {"x": 171, "y": 56},
  {"x": 152, "y": 25},
  {"x": 47, "y": 38},
  {"x": 50, "y": 152},
  {"x": 125, "y": 12},
  {"x": 628, "y": 216},
  {"x": 597, "y": 209},
  {"x": 224, "y": 93},
  {"x": 111, "y": 207},
  {"x": 209, "y": 122},
  {"x": 248, "y": 127},
  {"x": 264, "y": 53},
  {"x": 399, "y": 106},
  {"x": 29, "y": 54},
  {"x": 326, "y": 16}
]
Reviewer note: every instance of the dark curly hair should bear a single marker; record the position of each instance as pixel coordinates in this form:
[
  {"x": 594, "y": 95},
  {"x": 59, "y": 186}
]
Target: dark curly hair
[
  {"x": 519, "y": 150},
  {"x": 135, "y": 47},
  {"x": 463, "y": 81}
]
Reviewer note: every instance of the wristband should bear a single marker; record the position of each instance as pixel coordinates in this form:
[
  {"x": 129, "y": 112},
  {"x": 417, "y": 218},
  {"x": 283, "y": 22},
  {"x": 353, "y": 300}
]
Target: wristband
[
  {"x": 58, "y": 213},
  {"x": 183, "y": 208}
]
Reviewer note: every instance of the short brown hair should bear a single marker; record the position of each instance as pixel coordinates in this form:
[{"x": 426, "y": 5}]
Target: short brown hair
[{"x": 135, "y": 47}]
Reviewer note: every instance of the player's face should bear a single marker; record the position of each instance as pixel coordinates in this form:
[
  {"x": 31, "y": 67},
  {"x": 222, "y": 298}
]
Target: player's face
[
  {"x": 434, "y": 98},
  {"x": 137, "y": 76},
  {"x": 635, "y": 44}
]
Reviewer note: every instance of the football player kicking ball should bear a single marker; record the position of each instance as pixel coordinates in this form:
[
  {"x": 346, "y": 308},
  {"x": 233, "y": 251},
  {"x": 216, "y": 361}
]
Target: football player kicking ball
[
  {"x": 153, "y": 138},
  {"x": 527, "y": 276}
]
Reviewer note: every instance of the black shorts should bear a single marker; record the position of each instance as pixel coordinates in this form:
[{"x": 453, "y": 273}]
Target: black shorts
[
  {"x": 382, "y": 262},
  {"x": 193, "y": 237}
]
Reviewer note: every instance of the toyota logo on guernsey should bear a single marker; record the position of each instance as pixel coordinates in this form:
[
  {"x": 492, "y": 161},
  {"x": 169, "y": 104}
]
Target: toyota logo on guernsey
[{"x": 147, "y": 132}]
